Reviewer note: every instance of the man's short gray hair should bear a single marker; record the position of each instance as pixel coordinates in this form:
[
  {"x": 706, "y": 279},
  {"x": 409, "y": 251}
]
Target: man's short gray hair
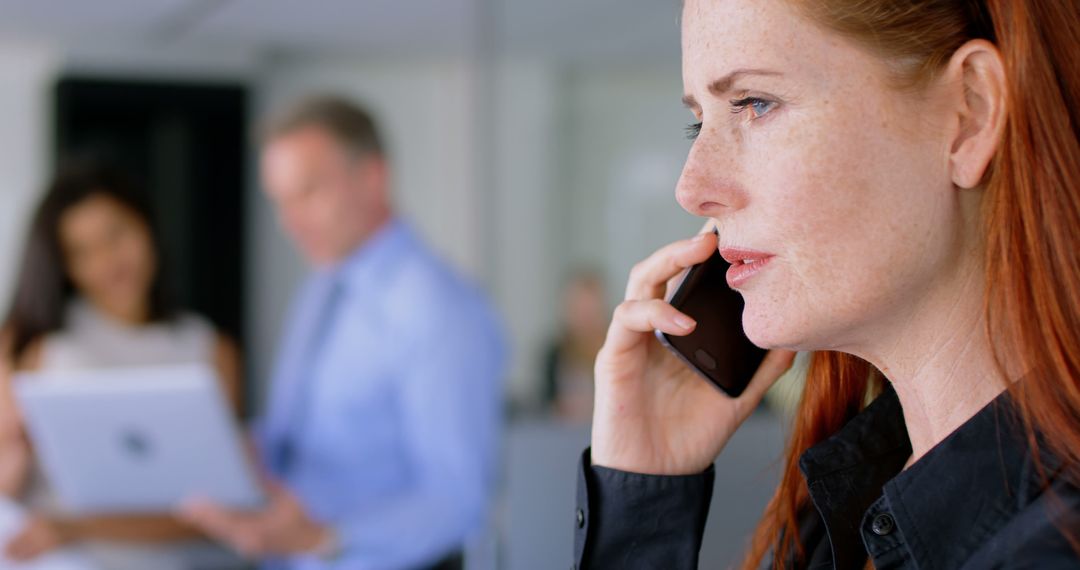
[{"x": 346, "y": 121}]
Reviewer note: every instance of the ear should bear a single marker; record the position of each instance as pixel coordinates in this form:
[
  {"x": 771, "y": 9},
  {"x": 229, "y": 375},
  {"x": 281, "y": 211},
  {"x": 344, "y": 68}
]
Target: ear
[{"x": 979, "y": 104}]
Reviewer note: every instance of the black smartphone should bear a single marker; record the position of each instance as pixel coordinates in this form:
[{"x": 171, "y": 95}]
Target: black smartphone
[{"x": 718, "y": 349}]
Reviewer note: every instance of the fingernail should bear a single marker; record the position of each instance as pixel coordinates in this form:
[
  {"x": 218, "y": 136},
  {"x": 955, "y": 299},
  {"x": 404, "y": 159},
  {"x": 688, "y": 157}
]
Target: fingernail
[
  {"x": 684, "y": 322},
  {"x": 700, "y": 237}
]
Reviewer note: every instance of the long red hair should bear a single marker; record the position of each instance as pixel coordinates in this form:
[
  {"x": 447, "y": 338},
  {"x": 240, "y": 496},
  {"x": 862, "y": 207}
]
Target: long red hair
[{"x": 1031, "y": 227}]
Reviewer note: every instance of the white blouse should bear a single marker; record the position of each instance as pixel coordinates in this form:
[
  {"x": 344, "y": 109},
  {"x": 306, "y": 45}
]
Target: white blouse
[{"x": 91, "y": 339}]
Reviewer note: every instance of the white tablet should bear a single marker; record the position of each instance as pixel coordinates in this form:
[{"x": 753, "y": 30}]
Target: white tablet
[{"x": 136, "y": 440}]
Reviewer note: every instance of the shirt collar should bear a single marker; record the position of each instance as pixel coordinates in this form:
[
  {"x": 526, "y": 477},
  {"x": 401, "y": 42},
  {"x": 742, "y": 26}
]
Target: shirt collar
[
  {"x": 945, "y": 505},
  {"x": 965, "y": 489},
  {"x": 371, "y": 260},
  {"x": 845, "y": 473}
]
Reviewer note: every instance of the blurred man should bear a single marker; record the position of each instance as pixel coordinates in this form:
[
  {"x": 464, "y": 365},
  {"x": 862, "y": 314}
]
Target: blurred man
[{"x": 382, "y": 425}]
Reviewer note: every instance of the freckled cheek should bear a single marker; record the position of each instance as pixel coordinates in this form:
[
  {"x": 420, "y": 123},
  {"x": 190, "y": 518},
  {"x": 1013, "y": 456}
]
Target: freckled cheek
[
  {"x": 819, "y": 217},
  {"x": 810, "y": 194},
  {"x": 827, "y": 202}
]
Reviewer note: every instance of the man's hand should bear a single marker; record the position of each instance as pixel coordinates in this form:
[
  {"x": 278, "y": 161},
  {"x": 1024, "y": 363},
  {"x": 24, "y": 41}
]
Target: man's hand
[
  {"x": 38, "y": 536},
  {"x": 281, "y": 528}
]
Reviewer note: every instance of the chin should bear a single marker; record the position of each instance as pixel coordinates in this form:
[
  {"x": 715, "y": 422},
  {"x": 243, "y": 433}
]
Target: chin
[
  {"x": 775, "y": 329},
  {"x": 317, "y": 256}
]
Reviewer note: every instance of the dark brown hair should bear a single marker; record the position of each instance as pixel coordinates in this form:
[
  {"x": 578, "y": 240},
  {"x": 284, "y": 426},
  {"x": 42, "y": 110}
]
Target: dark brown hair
[{"x": 43, "y": 288}]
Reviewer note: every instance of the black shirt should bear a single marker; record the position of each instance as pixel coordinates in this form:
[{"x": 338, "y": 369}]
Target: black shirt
[{"x": 974, "y": 501}]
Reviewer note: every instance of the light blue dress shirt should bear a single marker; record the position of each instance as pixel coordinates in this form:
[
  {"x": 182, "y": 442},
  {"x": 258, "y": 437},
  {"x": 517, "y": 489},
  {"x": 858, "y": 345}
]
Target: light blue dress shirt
[{"x": 385, "y": 410}]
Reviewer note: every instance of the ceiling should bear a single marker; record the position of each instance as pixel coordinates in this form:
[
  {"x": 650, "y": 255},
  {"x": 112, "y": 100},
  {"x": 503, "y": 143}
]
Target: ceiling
[{"x": 574, "y": 30}]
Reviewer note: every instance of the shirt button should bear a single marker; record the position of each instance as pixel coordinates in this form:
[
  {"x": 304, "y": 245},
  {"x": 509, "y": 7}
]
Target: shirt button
[
  {"x": 883, "y": 525},
  {"x": 580, "y": 518}
]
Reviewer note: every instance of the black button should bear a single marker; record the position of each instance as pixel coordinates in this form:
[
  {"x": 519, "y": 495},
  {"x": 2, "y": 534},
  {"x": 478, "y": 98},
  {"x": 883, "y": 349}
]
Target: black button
[
  {"x": 580, "y": 518},
  {"x": 883, "y": 525}
]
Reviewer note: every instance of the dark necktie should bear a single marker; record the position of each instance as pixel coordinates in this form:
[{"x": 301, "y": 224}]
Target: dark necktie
[{"x": 304, "y": 372}]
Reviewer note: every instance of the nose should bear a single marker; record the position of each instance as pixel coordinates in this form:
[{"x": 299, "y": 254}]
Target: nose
[{"x": 708, "y": 185}]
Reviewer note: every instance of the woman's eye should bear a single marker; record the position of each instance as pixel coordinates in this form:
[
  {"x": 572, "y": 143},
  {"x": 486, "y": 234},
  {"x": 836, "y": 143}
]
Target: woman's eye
[
  {"x": 693, "y": 130},
  {"x": 757, "y": 106}
]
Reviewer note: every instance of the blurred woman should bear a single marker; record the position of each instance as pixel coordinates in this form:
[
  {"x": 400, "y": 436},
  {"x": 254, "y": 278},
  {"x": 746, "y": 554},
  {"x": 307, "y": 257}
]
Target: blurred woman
[
  {"x": 895, "y": 185},
  {"x": 90, "y": 295},
  {"x": 568, "y": 374}
]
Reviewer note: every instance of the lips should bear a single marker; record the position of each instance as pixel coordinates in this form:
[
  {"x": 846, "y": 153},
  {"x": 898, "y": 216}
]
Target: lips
[{"x": 745, "y": 263}]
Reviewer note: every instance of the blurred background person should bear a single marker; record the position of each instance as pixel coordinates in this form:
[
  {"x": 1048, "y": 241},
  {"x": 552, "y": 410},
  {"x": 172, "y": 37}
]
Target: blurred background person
[
  {"x": 568, "y": 363},
  {"x": 383, "y": 422},
  {"x": 90, "y": 295}
]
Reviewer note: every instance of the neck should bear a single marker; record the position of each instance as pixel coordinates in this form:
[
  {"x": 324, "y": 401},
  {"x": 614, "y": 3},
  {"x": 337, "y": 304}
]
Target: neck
[
  {"x": 378, "y": 222},
  {"x": 128, "y": 314},
  {"x": 375, "y": 224},
  {"x": 940, "y": 361}
]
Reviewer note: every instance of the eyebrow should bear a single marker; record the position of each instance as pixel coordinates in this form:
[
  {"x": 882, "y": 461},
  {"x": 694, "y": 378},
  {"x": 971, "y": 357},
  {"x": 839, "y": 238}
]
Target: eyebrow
[{"x": 724, "y": 84}]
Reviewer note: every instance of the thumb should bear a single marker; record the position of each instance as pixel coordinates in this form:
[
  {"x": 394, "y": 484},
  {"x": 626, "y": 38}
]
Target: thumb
[{"x": 274, "y": 488}]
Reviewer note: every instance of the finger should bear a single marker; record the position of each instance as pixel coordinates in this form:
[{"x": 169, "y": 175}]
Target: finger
[
  {"x": 26, "y": 547},
  {"x": 250, "y": 544},
  {"x": 776, "y": 363},
  {"x": 244, "y": 532},
  {"x": 673, "y": 284},
  {"x": 262, "y": 474},
  {"x": 649, "y": 278},
  {"x": 36, "y": 546},
  {"x": 282, "y": 507},
  {"x": 275, "y": 490},
  {"x": 16, "y": 548},
  {"x": 214, "y": 520},
  {"x": 634, "y": 318},
  {"x": 21, "y": 545}
]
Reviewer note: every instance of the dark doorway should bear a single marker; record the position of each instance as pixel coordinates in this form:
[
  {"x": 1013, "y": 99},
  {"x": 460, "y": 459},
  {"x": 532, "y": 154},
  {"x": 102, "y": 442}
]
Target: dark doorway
[{"x": 185, "y": 145}]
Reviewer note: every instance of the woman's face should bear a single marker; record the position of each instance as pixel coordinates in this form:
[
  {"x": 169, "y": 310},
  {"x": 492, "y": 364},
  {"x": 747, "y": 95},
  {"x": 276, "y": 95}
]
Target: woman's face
[
  {"x": 807, "y": 153},
  {"x": 584, "y": 309},
  {"x": 109, "y": 254}
]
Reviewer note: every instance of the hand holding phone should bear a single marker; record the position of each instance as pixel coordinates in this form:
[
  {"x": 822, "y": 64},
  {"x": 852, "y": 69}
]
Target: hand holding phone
[
  {"x": 717, "y": 349},
  {"x": 653, "y": 414}
]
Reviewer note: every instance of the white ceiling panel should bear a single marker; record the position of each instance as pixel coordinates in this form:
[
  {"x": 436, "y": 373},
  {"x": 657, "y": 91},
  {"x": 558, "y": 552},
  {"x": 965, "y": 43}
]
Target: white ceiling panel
[
  {"x": 571, "y": 30},
  {"x": 379, "y": 26},
  {"x": 626, "y": 30},
  {"x": 79, "y": 20}
]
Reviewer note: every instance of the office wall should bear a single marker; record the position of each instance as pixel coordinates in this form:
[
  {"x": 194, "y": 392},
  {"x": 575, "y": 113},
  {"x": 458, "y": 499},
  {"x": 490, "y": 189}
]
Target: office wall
[
  {"x": 585, "y": 165},
  {"x": 27, "y": 71},
  {"x": 625, "y": 146},
  {"x": 525, "y": 123}
]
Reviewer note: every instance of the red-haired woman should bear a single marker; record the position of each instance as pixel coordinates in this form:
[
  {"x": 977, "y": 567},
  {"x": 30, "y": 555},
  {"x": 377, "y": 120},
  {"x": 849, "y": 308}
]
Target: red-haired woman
[{"x": 896, "y": 184}]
